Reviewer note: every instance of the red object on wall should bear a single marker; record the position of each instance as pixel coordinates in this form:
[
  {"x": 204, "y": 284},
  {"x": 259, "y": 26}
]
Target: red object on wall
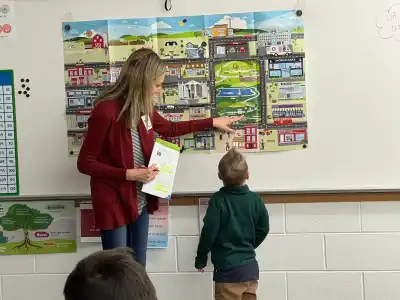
[{"x": 89, "y": 232}]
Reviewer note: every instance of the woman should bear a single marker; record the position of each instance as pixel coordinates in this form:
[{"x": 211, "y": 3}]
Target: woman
[{"x": 118, "y": 146}]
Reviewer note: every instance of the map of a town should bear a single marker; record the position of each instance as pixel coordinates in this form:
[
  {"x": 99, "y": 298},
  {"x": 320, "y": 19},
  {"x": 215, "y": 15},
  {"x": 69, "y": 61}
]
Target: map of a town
[{"x": 250, "y": 64}]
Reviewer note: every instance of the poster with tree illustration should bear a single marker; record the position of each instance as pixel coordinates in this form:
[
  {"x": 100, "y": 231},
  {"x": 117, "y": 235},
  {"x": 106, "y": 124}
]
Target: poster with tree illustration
[{"x": 37, "y": 227}]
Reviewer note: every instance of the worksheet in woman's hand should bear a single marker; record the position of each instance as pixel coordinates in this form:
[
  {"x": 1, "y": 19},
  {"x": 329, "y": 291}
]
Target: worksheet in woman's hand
[{"x": 165, "y": 155}]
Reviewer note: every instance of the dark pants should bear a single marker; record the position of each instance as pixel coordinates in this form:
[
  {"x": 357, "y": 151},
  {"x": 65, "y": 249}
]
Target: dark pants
[{"x": 133, "y": 235}]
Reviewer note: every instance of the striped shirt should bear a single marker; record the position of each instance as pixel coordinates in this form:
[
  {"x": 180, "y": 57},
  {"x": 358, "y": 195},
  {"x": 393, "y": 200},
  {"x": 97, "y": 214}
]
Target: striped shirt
[{"x": 138, "y": 159}]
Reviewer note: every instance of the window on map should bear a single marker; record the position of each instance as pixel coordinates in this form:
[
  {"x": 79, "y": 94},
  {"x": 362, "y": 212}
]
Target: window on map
[{"x": 300, "y": 137}]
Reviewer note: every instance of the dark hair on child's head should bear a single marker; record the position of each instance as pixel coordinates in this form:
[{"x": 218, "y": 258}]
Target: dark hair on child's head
[
  {"x": 109, "y": 275},
  {"x": 233, "y": 169}
]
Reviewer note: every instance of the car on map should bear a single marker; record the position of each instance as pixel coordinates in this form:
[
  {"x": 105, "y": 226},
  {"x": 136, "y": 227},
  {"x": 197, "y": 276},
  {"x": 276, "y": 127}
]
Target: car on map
[{"x": 279, "y": 122}]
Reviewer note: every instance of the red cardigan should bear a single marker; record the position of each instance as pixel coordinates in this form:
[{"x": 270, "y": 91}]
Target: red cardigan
[{"x": 107, "y": 153}]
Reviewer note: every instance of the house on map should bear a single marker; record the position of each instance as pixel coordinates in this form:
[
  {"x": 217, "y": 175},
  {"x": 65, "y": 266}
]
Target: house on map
[
  {"x": 174, "y": 70},
  {"x": 80, "y": 75},
  {"x": 114, "y": 74},
  {"x": 197, "y": 113},
  {"x": 238, "y": 140},
  {"x": 192, "y": 50},
  {"x": 288, "y": 91},
  {"x": 221, "y": 30},
  {"x": 193, "y": 90},
  {"x": 200, "y": 141},
  {"x": 292, "y": 137},
  {"x": 250, "y": 137},
  {"x": 195, "y": 70},
  {"x": 174, "y": 117}
]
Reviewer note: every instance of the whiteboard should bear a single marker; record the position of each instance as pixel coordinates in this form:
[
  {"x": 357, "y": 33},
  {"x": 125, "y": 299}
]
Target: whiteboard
[{"x": 352, "y": 98}]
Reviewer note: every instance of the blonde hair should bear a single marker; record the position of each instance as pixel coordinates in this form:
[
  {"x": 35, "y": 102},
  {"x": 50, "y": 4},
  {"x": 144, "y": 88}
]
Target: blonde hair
[
  {"x": 233, "y": 169},
  {"x": 134, "y": 86}
]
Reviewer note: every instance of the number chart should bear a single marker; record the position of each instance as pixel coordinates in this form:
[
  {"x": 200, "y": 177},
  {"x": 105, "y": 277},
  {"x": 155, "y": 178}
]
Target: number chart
[{"x": 9, "y": 183}]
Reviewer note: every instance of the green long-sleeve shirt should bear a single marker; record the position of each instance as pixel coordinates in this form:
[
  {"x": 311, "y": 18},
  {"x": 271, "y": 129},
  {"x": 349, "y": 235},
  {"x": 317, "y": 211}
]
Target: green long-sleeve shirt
[{"x": 235, "y": 224}]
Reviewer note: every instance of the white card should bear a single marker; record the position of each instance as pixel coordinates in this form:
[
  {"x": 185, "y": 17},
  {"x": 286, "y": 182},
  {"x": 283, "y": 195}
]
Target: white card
[{"x": 165, "y": 155}]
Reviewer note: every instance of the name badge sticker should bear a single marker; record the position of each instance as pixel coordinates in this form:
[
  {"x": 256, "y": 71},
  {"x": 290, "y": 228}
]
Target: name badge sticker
[{"x": 147, "y": 124}]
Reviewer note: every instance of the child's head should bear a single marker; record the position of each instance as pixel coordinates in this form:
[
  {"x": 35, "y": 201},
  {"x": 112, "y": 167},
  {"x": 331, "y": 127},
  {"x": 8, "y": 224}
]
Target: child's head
[
  {"x": 233, "y": 169},
  {"x": 109, "y": 275},
  {"x": 140, "y": 79}
]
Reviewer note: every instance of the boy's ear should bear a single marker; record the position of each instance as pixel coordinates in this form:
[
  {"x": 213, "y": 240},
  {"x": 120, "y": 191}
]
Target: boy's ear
[{"x": 248, "y": 175}]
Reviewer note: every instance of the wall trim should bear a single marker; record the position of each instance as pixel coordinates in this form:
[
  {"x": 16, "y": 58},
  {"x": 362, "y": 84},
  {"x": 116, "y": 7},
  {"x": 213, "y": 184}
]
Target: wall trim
[{"x": 275, "y": 197}]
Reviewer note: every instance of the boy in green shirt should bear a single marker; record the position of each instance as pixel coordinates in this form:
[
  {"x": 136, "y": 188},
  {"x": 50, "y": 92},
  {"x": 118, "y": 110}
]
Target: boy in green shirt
[{"x": 235, "y": 224}]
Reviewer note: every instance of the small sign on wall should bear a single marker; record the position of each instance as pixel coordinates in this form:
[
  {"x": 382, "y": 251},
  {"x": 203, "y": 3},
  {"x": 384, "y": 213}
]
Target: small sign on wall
[
  {"x": 7, "y": 20},
  {"x": 89, "y": 232},
  {"x": 158, "y": 226}
]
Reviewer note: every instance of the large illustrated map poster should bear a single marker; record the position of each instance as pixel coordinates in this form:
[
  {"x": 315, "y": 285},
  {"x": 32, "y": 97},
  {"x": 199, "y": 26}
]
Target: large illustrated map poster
[{"x": 249, "y": 64}]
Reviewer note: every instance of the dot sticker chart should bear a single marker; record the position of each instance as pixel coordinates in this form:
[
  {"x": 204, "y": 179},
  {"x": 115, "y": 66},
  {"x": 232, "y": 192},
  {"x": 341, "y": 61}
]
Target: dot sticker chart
[{"x": 9, "y": 183}]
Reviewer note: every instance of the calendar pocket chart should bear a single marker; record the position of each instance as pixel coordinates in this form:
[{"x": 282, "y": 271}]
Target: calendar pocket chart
[{"x": 8, "y": 136}]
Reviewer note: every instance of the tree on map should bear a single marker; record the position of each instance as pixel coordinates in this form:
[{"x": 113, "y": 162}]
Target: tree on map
[
  {"x": 204, "y": 44},
  {"x": 22, "y": 217},
  {"x": 196, "y": 34},
  {"x": 162, "y": 51}
]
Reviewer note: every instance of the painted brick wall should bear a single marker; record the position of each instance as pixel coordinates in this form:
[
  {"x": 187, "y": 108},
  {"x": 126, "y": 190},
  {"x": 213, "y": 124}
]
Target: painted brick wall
[{"x": 334, "y": 251}]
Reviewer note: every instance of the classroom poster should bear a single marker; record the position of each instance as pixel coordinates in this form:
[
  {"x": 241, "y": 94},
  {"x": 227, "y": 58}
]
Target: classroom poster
[
  {"x": 7, "y": 20},
  {"x": 203, "y": 204},
  {"x": 158, "y": 226},
  {"x": 9, "y": 182},
  {"x": 37, "y": 227},
  {"x": 89, "y": 232},
  {"x": 248, "y": 63}
]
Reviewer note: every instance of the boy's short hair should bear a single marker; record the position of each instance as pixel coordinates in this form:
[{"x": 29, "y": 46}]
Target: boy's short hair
[
  {"x": 109, "y": 275},
  {"x": 233, "y": 169}
]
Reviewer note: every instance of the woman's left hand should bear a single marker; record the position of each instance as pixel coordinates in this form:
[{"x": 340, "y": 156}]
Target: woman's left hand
[{"x": 225, "y": 123}]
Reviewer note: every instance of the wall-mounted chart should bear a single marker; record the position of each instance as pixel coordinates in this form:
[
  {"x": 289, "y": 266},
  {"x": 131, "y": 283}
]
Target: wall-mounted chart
[{"x": 8, "y": 136}]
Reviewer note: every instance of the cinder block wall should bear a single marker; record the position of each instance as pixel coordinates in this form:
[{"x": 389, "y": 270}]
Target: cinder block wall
[{"x": 329, "y": 251}]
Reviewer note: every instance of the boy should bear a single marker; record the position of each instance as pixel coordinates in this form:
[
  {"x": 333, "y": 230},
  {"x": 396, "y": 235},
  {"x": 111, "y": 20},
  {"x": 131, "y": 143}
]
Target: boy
[
  {"x": 235, "y": 224},
  {"x": 109, "y": 275}
]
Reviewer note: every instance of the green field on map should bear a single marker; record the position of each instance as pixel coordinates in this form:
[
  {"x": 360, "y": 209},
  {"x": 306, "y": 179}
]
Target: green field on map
[{"x": 238, "y": 89}]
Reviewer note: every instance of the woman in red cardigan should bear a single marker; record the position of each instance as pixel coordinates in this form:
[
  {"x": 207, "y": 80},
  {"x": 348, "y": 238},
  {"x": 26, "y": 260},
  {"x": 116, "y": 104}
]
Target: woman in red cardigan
[{"x": 118, "y": 146}]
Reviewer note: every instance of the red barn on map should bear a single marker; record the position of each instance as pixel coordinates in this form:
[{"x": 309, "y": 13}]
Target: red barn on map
[{"x": 97, "y": 41}]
